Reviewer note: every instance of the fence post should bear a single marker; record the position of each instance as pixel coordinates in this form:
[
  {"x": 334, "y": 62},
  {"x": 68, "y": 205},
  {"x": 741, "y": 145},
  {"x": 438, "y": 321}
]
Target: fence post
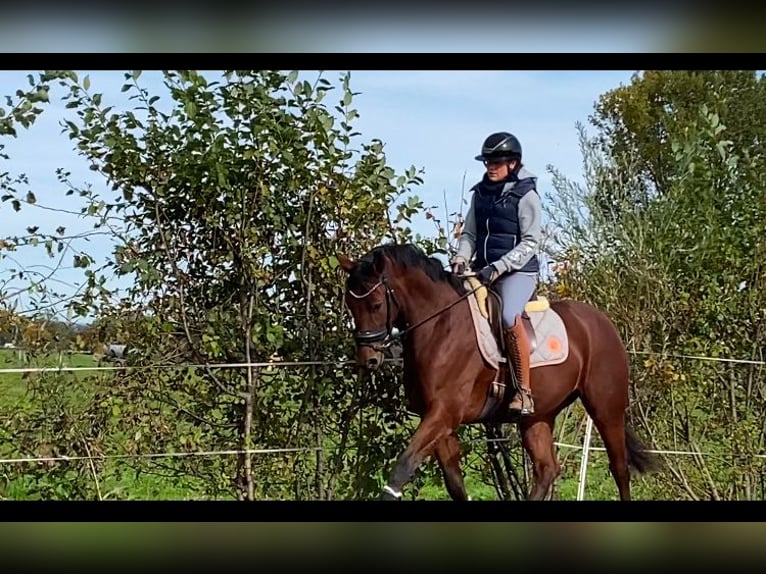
[{"x": 584, "y": 460}]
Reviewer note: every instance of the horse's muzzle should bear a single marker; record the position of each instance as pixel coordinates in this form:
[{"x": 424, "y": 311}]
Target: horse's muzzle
[
  {"x": 370, "y": 358},
  {"x": 374, "y": 363}
]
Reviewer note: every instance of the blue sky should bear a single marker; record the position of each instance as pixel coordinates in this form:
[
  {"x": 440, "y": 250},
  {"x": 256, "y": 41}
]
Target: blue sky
[{"x": 432, "y": 120}]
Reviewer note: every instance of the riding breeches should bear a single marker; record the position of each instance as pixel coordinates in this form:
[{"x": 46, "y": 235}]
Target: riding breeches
[{"x": 515, "y": 290}]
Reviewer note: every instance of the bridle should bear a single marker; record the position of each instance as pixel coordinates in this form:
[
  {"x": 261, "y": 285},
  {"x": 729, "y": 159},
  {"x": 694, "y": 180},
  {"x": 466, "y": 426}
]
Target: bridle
[{"x": 384, "y": 336}]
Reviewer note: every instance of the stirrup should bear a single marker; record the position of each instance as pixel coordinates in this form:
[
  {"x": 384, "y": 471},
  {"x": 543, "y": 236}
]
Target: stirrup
[{"x": 519, "y": 397}]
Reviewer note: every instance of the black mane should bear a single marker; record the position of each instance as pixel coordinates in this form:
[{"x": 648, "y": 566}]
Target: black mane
[{"x": 408, "y": 256}]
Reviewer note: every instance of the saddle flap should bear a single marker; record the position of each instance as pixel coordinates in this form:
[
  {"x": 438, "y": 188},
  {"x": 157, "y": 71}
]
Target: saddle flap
[{"x": 544, "y": 327}]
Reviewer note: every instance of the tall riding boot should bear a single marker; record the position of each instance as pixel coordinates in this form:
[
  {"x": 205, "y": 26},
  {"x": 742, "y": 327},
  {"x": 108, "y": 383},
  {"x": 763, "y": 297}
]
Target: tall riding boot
[{"x": 518, "y": 355}]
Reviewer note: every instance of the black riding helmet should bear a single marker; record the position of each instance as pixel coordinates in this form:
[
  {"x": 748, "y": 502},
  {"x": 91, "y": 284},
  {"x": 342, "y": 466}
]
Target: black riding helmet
[{"x": 500, "y": 145}]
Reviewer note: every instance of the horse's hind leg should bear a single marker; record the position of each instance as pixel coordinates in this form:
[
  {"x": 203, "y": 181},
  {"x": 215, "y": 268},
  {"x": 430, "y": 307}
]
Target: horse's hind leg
[
  {"x": 609, "y": 418},
  {"x": 613, "y": 434},
  {"x": 447, "y": 452},
  {"x": 537, "y": 437}
]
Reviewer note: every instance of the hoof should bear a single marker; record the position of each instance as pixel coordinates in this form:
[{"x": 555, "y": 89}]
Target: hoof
[
  {"x": 390, "y": 494},
  {"x": 387, "y": 496}
]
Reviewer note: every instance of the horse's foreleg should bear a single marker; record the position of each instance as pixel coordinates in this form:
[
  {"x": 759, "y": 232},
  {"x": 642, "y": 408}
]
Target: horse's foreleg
[
  {"x": 432, "y": 429},
  {"x": 448, "y": 456}
]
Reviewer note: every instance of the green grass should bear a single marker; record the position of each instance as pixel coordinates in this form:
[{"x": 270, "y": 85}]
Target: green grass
[
  {"x": 9, "y": 358},
  {"x": 474, "y": 486},
  {"x": 14, "y": 387}
]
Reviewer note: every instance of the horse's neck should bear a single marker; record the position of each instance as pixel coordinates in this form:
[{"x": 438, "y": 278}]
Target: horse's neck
[{"x": 423, "y": 299}]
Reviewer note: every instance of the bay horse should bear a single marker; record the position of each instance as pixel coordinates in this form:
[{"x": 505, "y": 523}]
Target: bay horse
[{"x": 446, "y": 379}]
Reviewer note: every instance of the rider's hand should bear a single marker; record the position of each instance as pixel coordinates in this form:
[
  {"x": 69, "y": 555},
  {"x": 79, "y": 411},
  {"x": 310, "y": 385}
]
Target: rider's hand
[
  {"x": 488, "y": 274},
  {"x": 458, "y": 267}
]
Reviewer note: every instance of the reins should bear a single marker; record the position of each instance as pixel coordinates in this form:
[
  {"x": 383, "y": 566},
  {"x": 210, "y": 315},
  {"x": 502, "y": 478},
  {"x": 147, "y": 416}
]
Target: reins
[
  {"x": 400, "y": 334},
  {"x": 381, "y": 339}
]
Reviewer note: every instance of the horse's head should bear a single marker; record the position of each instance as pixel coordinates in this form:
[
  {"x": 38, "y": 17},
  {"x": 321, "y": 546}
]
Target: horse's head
[{"x": 373, "y": 306}]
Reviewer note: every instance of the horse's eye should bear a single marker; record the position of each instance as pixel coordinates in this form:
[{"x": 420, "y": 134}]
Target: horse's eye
[{"x": 376, "y": 306}]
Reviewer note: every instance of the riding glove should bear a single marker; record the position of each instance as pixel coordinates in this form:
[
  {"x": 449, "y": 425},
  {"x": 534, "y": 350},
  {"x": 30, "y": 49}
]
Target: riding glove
[
  {"x": 488, "y": 274},
  {"x": 458, "y": 267}
]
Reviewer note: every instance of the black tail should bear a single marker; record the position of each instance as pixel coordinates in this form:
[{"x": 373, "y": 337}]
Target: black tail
[{"x": 638, "y": 457}]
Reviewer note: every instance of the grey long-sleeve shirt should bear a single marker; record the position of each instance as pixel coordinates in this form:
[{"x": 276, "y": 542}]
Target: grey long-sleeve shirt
[{"x": 530, "y": 225}]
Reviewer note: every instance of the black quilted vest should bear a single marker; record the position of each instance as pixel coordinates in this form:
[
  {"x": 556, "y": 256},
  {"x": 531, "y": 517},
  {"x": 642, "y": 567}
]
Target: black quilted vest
[{"x": 497, "y": 221}]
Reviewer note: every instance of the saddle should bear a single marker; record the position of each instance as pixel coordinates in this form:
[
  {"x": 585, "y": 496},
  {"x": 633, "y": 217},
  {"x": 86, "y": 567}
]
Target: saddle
[
  {"x": 545, "y": 331},
  {"x": 491, "y": 307}
]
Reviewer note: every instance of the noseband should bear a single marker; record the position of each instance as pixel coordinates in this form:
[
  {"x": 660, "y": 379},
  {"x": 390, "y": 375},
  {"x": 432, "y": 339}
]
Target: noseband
[{"x": 383, "y": 335}]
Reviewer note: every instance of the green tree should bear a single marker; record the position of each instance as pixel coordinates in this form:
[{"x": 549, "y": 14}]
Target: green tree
[
  {"x": 234, "y": 194},
  {"x": 681, "y": 271},
  {"x": 637, "y": 124}
]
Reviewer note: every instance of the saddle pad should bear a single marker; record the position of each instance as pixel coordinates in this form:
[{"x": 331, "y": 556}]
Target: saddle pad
[
  {"x": 550, "y": 334},
  {"x": 551, "y": 338},
  {"x": 480, "y": 292}
]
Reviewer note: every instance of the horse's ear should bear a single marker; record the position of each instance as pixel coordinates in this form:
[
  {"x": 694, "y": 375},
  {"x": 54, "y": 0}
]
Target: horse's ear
[{"x": 345, "y": 263}]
